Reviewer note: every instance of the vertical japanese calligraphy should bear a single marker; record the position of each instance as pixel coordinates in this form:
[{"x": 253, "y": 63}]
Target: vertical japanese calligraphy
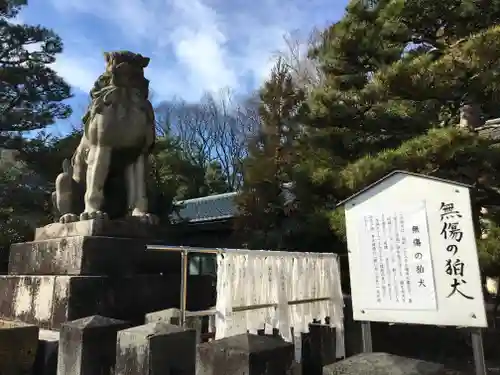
[
  {"x": 399, "y": 258},
  {"x": 452, "y": 233}
]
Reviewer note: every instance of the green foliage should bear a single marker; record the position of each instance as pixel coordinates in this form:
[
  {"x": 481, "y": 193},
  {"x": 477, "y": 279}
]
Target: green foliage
[
  {"x": 215, "y": 179},
  {"x": 422, "y": 154},
  {"x": 395, "y": 77},
  {"x": 396, "y": 71},
  {"x": 31, "y": 96},
  {"x": 173, "y": 176},
  {"x": 489, "y": 256},
  {"x": 9, "y": 9},
  {"x": 336, "y": 220},
  {"x": 23, "y": 202}
]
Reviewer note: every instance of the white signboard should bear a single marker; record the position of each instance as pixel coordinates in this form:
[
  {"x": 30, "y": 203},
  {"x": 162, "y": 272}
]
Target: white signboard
[{"x": 412, "y": 253}]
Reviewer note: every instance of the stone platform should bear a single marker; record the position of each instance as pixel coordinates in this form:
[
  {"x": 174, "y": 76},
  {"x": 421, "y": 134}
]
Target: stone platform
[{"x": 93, "y": 267}]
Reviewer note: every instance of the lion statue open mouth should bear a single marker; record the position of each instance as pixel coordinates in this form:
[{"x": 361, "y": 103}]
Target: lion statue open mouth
[{"x": 110, "y": 161}]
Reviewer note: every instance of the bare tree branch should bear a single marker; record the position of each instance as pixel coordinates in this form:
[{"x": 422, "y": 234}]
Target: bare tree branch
[
  {"x": 305, "y": 71},
  {"x": 214, "y": 130}
]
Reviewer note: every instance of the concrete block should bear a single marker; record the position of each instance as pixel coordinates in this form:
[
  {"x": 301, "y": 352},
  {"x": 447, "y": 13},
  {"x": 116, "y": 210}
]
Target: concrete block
[
  {"x": 156, "y": 349},
  {"x": 246, "y": 354},
  {"x": 18, "y": 345},
  {"x": 172, "y": 316},
  {"x": 46, "y": 354},
  {"x": 88, "y": 346}
]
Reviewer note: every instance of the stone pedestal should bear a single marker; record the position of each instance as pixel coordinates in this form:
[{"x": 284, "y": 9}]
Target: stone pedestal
[{"x": 86, "y": 268}]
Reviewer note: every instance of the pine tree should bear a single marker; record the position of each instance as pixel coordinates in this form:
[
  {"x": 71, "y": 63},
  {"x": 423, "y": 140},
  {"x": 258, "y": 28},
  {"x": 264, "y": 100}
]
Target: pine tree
[
  {"x": 270, "y": 162},
  {"x": 396, "y": 75},
  {"x": 394, "y": 71},
  {"x": 31, "y": 96},
  {"x": 31, "y": 93}
]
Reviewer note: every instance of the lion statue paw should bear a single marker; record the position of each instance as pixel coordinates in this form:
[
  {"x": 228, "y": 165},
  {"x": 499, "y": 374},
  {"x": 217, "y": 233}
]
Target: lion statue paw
[
  {"x": 145, "y": 217},
  {"x": 99, "y": 215},
  {"x": 68, "y": 218}
]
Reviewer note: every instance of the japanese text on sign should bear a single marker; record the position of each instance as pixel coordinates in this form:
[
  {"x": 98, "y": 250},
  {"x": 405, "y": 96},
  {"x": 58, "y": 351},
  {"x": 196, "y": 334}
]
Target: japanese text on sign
[
  {"x": 453, "y": 234},
  {"x": 399, "y": 259}
]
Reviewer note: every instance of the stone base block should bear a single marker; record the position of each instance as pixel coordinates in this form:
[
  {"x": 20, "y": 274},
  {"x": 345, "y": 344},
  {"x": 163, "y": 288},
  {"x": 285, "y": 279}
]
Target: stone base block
[
  {"x": 48, "y": 301},
  {"x": 125, "y": 228},
  {"x": 90, "y": 255},
  {"x": 77, "y": 255},
  {"x": 383, "y": 363},
  {"x": 18, "y": 344}
]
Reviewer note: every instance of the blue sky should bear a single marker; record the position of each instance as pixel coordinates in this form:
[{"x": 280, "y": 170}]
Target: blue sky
[{"x": 194, "y": 45}]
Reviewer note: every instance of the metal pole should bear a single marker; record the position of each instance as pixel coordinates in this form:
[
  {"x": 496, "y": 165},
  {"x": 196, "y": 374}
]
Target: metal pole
[
  {"x": 478, "y": 351},
  {"x": 366, "y": 337},
  {"x": 184, "y": 273}
]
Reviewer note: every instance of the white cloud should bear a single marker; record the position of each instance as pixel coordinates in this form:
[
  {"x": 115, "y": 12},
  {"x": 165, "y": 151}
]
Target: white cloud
[
  {"x": 195, "y": 45},
  {"x": 78, "y": 71}
]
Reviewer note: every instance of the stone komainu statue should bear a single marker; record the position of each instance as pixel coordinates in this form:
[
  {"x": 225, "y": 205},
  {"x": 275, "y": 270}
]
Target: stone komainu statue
[{"x": 106, "y": 176}]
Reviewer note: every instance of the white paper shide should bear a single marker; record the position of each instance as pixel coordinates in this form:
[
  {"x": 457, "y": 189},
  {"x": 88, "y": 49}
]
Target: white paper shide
[{"x": 265, "y": 282}]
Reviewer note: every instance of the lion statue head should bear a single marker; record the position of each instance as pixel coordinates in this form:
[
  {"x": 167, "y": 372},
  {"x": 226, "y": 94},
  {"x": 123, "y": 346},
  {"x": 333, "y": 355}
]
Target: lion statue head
[
  {"x": 126, "y": 68},
  {"x": 115, "y": 58}
]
